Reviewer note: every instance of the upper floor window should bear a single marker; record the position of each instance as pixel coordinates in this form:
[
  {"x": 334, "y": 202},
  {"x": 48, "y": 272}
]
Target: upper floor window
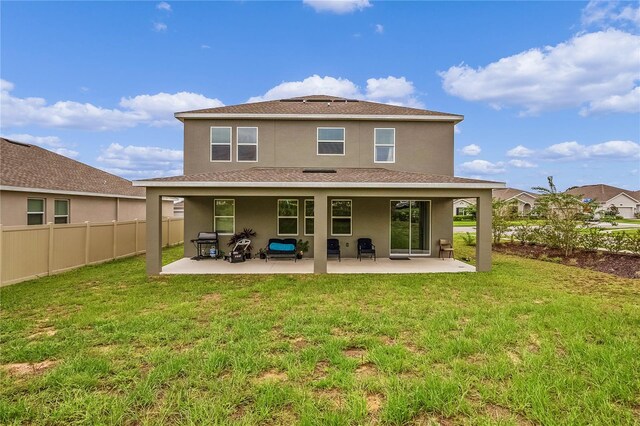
[
  {"x": 221, "y": 144},
  {"x": 385, "y": 145},
  {"x": 247, "y": 144},
  {"x": 35, "y": 211},
  {"x": 61, "y": 211},
  {"x": 331, "y": 140}
]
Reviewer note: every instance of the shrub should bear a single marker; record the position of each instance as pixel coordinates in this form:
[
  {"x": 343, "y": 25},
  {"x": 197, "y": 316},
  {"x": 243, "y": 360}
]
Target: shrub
[
  {"x": 615, "y": 242},
  {"x": 502, "y": 213},
  {"x": 593, "y": 239},
  {"x": 463, "y": 217},
  {"x": 524, "y": 232},
  {"x": 633, "y": 242},
  {"x": 469, "y": 239}
]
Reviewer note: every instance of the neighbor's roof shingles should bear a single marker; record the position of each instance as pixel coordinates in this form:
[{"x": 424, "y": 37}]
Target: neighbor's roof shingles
[
  {"x": 29, "y": 166},
  {"x": 599, "y": 192},
  {"x": 320, "y": 105},
  {"x": 297, "y": 174},
  {"x": 509, "y": 193}
]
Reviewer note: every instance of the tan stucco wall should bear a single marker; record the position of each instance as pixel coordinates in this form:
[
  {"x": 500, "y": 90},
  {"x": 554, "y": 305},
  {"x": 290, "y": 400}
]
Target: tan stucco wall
[
  {"x": 420, "y": 146},
  {"x": 13, "y": 208},
  {"x": 370, "y": 218}
]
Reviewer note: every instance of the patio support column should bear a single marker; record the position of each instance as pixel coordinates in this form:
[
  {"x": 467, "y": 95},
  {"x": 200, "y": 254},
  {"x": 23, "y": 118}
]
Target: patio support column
[
  {"x": 483, "y": 230},
  {"x": 154, "y": 232},
  {"x": 320, "y": 233}
]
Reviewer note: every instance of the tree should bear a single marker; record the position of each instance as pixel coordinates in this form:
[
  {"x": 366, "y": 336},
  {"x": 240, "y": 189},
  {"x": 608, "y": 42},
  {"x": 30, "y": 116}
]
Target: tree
[
  {"x": 502, "y": 214},
  {"x": 564, "y": 215}
]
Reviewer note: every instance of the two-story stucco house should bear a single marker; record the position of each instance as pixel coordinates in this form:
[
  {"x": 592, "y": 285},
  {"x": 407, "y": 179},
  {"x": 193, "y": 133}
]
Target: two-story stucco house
[{"x": 319, "y": 167}]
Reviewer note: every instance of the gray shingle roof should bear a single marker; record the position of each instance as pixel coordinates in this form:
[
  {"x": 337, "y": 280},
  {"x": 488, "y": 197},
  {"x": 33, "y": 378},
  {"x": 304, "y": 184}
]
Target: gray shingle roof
[
  {"x": 321, "y": 104},
  {"x": 299, "y": 174},
  {"x": 29, "y": 166},
  {"x": 600, "y": 192},
  {"x": 508, "y": 193}
]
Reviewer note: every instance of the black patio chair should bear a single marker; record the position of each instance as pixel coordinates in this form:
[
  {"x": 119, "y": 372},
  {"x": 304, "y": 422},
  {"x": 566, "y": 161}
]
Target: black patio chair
[
  {"x": 333, "y": 248},
  {"x": 366, "y": 247}
]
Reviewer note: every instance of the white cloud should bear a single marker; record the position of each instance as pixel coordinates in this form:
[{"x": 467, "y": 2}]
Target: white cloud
[
  {"x": 611, "y": 149},
  {"x": 522, "y": 164},
  {"x": 6, "y": 86},
  {"x": 379, "y": 29},
  {"x": 483, "y": 167},
  {"x": 136, "y": 162},
  {"x": 391, "y": 90},
  {"x": 610, "y": 13},
  {"x": 616, "y": 103},
  {"x": 163, "y": 5},
  {"x": 520, "y": 152},
  {"x": 155, "y": 110},
  {"x": 159, "y": 27},
  {"x": 472, "y": 150},
  {"x": 339, "y": 7},
  {"x": 586, "y": 70},
  {"x": 52, "y": 143},
  {"x": 205, "y": 46}
]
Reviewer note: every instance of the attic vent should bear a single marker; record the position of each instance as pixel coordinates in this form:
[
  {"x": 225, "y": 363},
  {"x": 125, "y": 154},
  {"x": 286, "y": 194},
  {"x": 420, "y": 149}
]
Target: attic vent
[{"x": 318, "y": 171}]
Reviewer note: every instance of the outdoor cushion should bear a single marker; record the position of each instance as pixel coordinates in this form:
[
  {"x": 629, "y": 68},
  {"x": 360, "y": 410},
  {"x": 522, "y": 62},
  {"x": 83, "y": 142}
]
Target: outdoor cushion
[{"x": 281, "y": 247}]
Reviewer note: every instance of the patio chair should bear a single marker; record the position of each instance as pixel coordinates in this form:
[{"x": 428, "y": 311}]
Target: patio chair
[
  {"x": 445, "y": 247},
  {"x": 366, "y": 247},
  {"x": 333, "y": 248},
  {"x": 279, "y": 247}
]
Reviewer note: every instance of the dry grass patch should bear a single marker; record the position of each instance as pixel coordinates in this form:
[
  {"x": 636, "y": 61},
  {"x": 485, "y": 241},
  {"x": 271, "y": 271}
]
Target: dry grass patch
[
  {"x": 28, "y": 368},
  {"x": 334, "y": 396},
  {"x": 353, "y": 352},
  {"x": 374, "y": 402},
  {"x": 212, "y": 297},
  {"x": 367, "y": 369},
  {"x": 43, "y": 332},
  {"x": 272, "y": 375}
]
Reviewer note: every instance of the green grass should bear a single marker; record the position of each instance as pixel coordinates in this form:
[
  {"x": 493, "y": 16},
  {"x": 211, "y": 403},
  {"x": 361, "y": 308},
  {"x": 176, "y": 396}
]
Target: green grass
[
  {"x": 636, "y": 221},
  {"x": 530, "y": 342}
]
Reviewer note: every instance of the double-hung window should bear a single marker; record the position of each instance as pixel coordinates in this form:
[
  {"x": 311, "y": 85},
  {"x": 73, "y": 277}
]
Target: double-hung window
[
  {"x": 331, "y": 140},
  {"x": 385, "y": 145},
  {"x": 308, "y": 217},
  {"x": 221, "y": 144},
  {"x": 35, "y": 211},
  {"x": 341, "y": 217},
  {"x": 287, "y": 217},
  {"x": 224, "y": 216},
  {"x": 61, "y": 211},
  {"x": 247, "y": 147}
]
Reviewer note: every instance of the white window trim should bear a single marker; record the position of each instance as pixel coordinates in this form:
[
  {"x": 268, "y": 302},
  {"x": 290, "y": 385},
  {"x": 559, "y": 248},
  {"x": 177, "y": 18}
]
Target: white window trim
[
  {"x": 344, "y": 141},
  {"x": 233, "y": 231},
  {"x": 309, "y": 217},
  {"x": 247, "y": 144},
  {"x": 297, "y": 217},
  {"x": 43, "y": 212},
  {"x": 222, "y": 144},
  {"x": 68, "y": 215},
  {"x": 375, "y": 144},
  {"x": 350, "y": 217}
]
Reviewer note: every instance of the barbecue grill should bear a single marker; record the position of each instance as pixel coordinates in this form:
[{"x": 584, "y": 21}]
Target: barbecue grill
[{"x": 206, "y": 239}]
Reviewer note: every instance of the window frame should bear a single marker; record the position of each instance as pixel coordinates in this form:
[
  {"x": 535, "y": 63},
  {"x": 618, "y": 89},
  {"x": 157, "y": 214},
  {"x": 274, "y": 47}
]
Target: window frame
[
  {"x": 43, "y": 213},
  {"x": 376, "y": 145},
  {"x": 350, "y": 217},
  {"x": 211, "y": 143},
  {"x": 233, "y": 217},
  {"x": 245, "y": 144},
  {"x": 309, "y": 200},
  {"x": 67, "y": 216},
  {"x": 297, "y": 217},
  {"x": 344, "y": 140}
]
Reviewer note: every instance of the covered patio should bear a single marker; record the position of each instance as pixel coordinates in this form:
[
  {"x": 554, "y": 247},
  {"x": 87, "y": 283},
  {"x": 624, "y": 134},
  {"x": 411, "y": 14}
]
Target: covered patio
[{"x": 305, "y": 266}]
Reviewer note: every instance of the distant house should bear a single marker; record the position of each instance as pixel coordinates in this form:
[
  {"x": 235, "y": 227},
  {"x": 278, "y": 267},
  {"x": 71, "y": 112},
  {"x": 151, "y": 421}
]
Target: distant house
[
  {"x": 627, "y": 202},
  {"x": 38, "y": 186},
  {"x": 524, "y": 201}
]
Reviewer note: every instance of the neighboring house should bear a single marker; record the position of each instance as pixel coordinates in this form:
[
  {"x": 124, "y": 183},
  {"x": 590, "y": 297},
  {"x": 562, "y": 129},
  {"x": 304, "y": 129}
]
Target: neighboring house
[
  {"x": 38, "y": 186},
  {"x": 319, "y": 167},
  {"x": 463, "y": 206},
  {"x": 627, "y": 202},
  {"x": 523, "y": 201},
  {"x": 178, "y": 207}
]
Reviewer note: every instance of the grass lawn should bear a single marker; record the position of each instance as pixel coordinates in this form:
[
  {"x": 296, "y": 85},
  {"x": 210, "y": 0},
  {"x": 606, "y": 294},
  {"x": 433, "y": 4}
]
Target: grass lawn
[{"x": 530, "y": 342}]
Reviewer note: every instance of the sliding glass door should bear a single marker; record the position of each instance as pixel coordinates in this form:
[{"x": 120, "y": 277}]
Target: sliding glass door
[{"x": 410, "y": 228}]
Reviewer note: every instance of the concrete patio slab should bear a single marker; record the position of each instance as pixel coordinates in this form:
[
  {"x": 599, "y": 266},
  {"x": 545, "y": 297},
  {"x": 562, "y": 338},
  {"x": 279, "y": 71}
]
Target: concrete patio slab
[{"x": 305, "y": 266}]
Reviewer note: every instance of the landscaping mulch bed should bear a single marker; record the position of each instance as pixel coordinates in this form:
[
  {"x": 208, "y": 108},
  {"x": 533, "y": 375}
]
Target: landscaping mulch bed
[{"x": 622, "y": 265}]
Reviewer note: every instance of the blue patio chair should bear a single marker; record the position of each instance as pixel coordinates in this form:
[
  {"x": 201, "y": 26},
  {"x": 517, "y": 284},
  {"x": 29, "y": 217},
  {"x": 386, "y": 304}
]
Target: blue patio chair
[{"x": 366, "y": 247}]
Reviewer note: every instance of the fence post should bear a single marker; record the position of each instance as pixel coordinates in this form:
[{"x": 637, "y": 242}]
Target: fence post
[
  {"x": 87, "y": 242},
  {"x": 50, "y": 262},
  {"x": 169, "y": 231},
  {"x": 136, "y": 246},
  {"x": 115, "y": 238}
]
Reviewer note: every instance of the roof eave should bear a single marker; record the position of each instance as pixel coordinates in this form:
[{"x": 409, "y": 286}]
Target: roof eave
[
  {"x": 368, "y": 117},
  {"x": 346, "y": 185}
]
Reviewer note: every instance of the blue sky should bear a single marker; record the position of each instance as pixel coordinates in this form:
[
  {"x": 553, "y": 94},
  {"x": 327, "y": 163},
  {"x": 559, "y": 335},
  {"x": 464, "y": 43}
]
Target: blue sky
[{"x": 547, "y": 88}]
